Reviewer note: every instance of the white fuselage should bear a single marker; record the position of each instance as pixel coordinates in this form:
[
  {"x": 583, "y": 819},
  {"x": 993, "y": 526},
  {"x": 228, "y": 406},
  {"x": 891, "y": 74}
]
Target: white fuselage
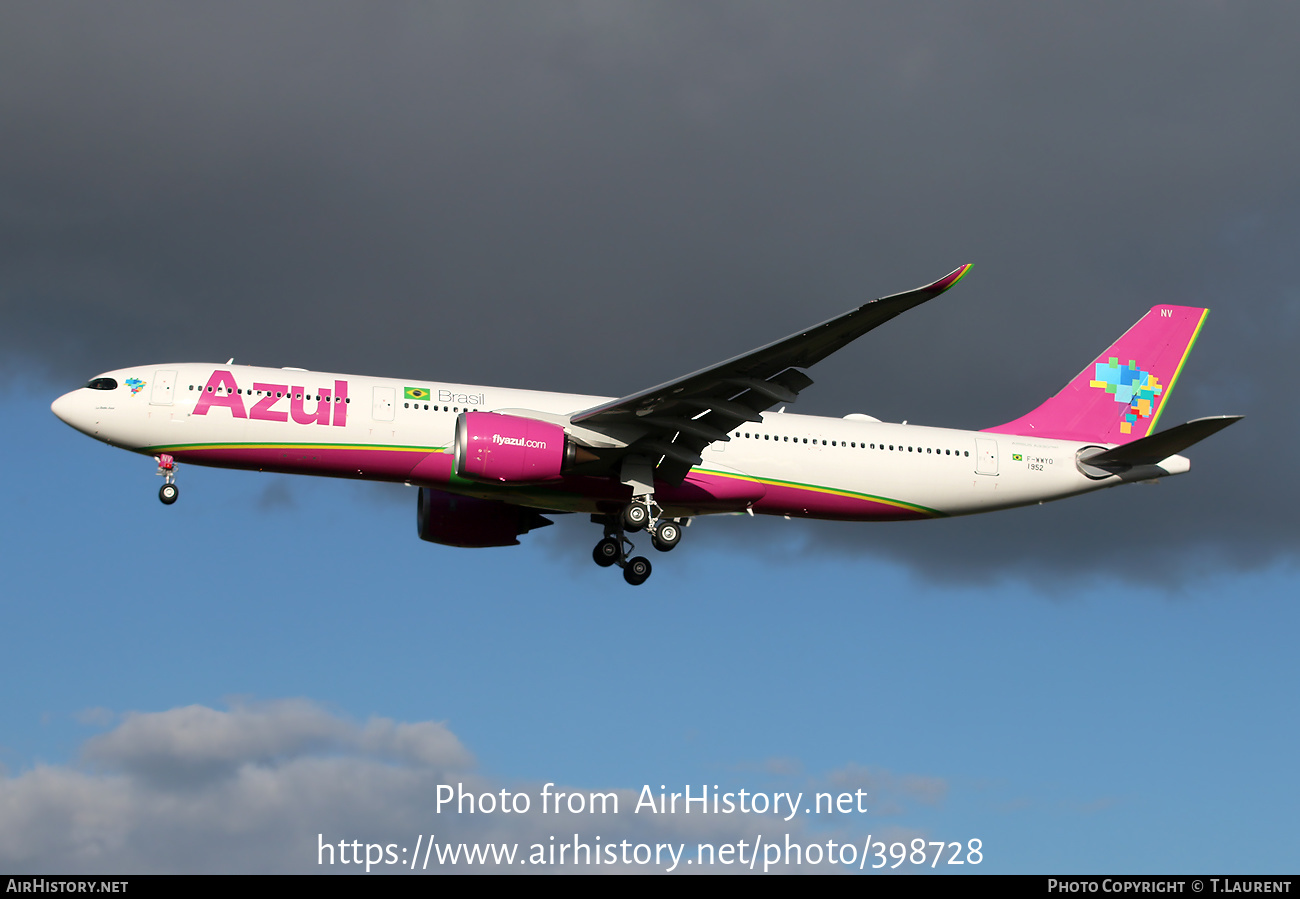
[{"x": 403, "y": 430}]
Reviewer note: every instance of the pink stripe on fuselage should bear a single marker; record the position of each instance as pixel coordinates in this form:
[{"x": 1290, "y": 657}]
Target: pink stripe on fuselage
[{"x": 700, "y": 492}]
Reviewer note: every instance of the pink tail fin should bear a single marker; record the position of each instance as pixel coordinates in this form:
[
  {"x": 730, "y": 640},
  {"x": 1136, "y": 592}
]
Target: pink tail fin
[{"x": 1119, "y": 397}]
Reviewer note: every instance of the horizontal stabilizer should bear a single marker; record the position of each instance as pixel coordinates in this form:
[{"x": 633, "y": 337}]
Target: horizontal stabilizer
[{"x": 1158, "y": 447}]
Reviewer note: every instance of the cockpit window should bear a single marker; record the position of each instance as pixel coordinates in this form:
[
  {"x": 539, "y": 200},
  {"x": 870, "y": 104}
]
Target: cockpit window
[{"x": 102, "y": 384}]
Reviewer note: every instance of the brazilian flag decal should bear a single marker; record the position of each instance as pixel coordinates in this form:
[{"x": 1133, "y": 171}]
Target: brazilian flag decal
[
  {"x": 416, "y": 393},
  {"x": 1016, "y": 457}
]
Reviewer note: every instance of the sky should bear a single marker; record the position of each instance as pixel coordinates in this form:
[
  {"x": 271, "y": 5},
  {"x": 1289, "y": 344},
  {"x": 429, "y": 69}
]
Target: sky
[{"x": 596, "y": 198}]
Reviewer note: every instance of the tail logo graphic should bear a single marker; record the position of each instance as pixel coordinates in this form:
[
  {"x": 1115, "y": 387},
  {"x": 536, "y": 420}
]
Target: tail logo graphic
[{"x": 1131, "y": 386}]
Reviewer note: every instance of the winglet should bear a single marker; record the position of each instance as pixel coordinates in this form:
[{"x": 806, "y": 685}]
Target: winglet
[
  {"x": 949, "y": 280},
  {"x": 920, "y": 295}
]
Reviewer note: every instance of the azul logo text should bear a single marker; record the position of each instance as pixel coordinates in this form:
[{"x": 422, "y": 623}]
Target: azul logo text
[{"x": 330, "y": 404}]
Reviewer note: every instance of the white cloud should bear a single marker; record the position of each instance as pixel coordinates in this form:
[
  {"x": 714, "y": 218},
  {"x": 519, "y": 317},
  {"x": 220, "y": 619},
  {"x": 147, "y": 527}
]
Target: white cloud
[
  {"x": 260, "y": 788},
  {"x": 887, "y": 789},
  {"x": 199, "y": 739}
]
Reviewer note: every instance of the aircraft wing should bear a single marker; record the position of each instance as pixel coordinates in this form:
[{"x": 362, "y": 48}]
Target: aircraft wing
[{"x": 680, "y": 418}]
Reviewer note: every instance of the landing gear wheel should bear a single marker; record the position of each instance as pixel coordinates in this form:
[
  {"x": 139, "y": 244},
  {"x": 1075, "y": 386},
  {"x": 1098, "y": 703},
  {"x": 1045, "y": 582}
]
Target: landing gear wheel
[
  {"x": 666, "y": 536},
  {"x": 637, "y": 570},
  {"x": 635, "y": 517},
  {"x": 606, "y": 552},
  {"x": 168, "y": 493}
]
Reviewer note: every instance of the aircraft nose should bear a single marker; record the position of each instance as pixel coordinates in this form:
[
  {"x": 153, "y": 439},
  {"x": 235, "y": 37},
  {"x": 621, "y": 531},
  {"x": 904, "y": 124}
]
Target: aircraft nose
[
  {"x": 63, "y": 406},
  {"x": 74, "y": 411}
]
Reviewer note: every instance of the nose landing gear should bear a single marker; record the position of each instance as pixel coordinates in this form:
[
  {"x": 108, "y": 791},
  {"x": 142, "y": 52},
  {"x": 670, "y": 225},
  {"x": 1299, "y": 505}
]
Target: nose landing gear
[{"x": 168, "y": 493}]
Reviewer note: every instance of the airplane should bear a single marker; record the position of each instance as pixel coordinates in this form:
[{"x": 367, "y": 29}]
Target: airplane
[{"x": 490, "y": 463}]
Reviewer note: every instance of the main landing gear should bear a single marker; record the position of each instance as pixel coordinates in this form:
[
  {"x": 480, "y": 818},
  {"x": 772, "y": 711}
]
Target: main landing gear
[
  {"x": 640, "y": 514},
  {"x": 168, "y": 492},
  {"x": 613, "y": 550}
]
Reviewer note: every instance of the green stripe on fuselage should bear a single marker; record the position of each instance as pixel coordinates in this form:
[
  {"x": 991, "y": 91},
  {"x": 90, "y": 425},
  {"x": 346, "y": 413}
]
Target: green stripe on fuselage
[
  {"x": 834, "y": 491},
  {"x": 183, "y": 447}
]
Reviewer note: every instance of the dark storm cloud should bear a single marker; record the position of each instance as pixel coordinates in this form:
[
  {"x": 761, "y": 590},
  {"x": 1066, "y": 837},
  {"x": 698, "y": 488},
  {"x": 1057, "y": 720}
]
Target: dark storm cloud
[{"x": 597, "y": 197}]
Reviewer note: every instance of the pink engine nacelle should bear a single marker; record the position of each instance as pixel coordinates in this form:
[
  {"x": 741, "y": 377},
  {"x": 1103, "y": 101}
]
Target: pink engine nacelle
[{"x": 508, "y": 449}]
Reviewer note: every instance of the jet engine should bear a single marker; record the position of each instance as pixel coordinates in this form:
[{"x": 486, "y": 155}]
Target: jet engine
[
  {"x": 509, "y": 449},
  {"x": 466, "y": 521}
]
